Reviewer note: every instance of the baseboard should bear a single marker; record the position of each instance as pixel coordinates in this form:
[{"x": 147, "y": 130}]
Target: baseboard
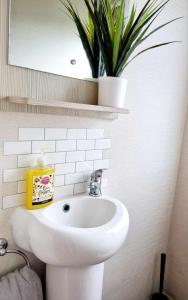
[{"x": 170, "y": 298}]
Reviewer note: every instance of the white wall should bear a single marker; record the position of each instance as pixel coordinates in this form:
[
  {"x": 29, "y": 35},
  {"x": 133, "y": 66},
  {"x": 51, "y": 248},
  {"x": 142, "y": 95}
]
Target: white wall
[
  {"x": 178, "y": 242},
  {"x": 145, "y": 148}
]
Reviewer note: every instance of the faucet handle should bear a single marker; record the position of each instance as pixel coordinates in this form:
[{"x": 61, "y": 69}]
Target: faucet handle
[
  {"x": 96, "y": 175},
  {"x": 95, "y": 183},
  {"x": 3, "y": 246}
]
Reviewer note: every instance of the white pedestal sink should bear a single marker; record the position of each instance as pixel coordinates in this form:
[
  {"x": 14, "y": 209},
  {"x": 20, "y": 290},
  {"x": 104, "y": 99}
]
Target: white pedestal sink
[{"x": 74, "y": 241}]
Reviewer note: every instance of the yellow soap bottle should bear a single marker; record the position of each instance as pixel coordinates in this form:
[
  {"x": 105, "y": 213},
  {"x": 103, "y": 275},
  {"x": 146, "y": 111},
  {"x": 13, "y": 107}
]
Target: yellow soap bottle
[{"x": 40, "y": 184}]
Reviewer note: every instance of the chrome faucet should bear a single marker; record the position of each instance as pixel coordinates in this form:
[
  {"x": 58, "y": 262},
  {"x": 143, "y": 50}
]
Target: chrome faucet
[{"x": 95, "y": 183}]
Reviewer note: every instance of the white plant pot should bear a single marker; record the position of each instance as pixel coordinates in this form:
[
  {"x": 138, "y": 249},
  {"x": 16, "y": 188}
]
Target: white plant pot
[{"x": 112, "y": 91}]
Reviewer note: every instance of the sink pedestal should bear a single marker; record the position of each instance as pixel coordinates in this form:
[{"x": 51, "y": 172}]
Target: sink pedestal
[{"x": 84, "y": 283}]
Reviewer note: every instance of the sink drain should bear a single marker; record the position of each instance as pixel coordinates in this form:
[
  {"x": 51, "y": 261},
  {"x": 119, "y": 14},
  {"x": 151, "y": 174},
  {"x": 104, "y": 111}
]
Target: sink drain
[{"x": 66, "y": 207}]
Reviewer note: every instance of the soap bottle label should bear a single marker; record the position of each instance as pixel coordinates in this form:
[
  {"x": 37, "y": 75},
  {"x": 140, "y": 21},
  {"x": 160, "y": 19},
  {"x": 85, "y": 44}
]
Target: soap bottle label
[{"x": 43, "y": 189}]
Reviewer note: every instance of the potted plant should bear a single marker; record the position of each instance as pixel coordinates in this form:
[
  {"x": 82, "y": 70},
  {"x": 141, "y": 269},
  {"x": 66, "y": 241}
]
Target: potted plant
[
  {"x": 118, "y": 37},
  {"x": 88, "y": 36}
]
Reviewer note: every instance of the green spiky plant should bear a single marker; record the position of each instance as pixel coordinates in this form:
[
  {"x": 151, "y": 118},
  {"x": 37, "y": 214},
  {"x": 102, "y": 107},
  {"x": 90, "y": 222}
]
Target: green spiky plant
[
  {"x": 118, "y": 37},
  {"x": 88, "y": 37}
]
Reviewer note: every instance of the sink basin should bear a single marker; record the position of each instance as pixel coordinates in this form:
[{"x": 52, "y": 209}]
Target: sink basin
[
  {"x": 74, "y": 237},
  {"x": 86, "y": 212}
]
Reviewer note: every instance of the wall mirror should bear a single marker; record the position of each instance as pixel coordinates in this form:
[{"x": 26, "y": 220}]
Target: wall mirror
[{"x": 42, "y": 37}]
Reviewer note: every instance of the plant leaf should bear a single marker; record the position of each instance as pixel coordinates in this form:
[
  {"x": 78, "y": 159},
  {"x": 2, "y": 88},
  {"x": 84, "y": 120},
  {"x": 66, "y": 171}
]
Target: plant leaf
[
  {"x": 161, "y": 26},
  {"x": 118, "y": 32},
  {"x": 88, "y": 37},
  {"x": 115, "y": 38},
  {"x": 150, "y": 48},
  {"x": 140, "y": 39},
  {"x": 103, "y": 34},
  {"x": 138, "y": 30}
]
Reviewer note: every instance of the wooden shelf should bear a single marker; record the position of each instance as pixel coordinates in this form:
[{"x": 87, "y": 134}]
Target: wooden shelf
[{"x": 66, "y": 105}]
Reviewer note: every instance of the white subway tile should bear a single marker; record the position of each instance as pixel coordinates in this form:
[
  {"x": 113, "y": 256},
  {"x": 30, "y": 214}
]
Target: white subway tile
[
  {"x": 95, "y": 133},
  {"x": 13, "y": 200},
  {"x": 107, "y": 153},
  {"x": 76, "y": 178},
  {"x": 48, "y": 146},
  {"x": 17, "y": 148},
  {"x": 103, "y": 144},
  {"x": 59, "y": 180},
  {"x": 31, "y": 159},
  {"x": 28, "y": 134},
  {"x": 55, "y": 133},
  {"x": 9, "y": 188},
  {"x": 27, "y": 160},
  {"x": 93, "y": 154},
  {"x": 21, "y": 186},
  {"x": 9, "y": 161},
  {"x": 101, "y": 164},
  {"x": 55, "y": 158},
  {"x": 75, "y": 156},
  {"x": 66, "y": 145},
  {"x": 84, "y": 166},
  {"x": 12, "y": 175},
  {"x": 80, "y": 188},
  {"x": 85, "y": 144},
  {"x": 76, "y": 134},
  {"x": 64, "y": 191},
  {"x": 65, "y": 168}
]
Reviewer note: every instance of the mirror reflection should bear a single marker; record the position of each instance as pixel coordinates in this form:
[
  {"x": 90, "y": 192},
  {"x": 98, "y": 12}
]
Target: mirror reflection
[{"x": 42, "y": 37}]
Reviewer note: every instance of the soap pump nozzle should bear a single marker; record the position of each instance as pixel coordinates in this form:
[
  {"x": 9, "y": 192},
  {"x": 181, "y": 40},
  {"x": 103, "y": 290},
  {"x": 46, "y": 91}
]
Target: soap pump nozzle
[{"x": 41, "y": 161}]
